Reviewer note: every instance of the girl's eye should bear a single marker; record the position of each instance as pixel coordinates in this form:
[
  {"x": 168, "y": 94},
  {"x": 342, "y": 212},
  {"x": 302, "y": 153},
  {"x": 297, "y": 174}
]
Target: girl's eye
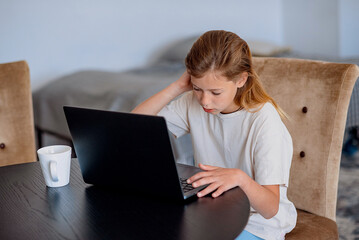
[
  {"x": 196, "y": 89},
  {"x": 216, "y": 93}
]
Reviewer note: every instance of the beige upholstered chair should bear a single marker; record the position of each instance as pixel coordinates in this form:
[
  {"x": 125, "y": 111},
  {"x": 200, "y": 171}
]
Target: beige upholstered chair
[
  {"x": 17, "y": 138},
  {"x": 316, "y": 96}
]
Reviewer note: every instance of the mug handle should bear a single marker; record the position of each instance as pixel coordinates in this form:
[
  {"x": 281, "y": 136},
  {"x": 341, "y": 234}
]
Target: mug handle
[{"x": 53, "y": 171}]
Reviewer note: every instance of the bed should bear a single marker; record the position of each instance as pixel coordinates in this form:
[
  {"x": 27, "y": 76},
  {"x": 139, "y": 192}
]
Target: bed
[{"x": 114, "y": 91}]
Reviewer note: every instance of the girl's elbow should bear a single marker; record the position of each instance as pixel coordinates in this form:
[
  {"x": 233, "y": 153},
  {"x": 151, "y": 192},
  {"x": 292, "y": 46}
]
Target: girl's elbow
[{"x": 272, "y": 212}]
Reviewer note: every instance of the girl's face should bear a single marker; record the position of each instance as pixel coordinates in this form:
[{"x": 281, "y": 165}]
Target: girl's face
[{"x": 216, "y": 93}]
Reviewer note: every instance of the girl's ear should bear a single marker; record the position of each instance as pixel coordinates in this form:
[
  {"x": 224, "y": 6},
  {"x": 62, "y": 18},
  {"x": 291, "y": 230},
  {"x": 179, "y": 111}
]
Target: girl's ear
[{"x": 242, "y": 79}]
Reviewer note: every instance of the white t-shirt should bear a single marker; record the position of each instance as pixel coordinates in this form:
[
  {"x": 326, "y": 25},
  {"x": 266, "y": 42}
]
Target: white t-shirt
[{"x": 258, "y": 143}]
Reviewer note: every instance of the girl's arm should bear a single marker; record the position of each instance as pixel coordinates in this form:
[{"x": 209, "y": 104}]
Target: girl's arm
[
  {"x": 154, "y": 104},
  {"x": 264, "y": 199}
]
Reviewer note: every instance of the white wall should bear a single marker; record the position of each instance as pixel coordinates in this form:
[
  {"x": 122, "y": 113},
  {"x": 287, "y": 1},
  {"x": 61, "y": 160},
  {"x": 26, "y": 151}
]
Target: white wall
[
  {"x": 349, "y": 28},
  {"x": 60, "y": 37},
  {"x": 311, "y": 27},
  {"x": 322, "y": 28}
]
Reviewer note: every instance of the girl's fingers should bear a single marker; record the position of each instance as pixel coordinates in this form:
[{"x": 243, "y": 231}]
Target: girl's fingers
[
  {"x": 197, "y": 176},
  {"x": 206, "y": 167},
  {"x": 203, "y": 181},
  {"x": 219, "y": 191},
  {"x": 204, "y": 174},
  {"x": 207, "y": 190}
]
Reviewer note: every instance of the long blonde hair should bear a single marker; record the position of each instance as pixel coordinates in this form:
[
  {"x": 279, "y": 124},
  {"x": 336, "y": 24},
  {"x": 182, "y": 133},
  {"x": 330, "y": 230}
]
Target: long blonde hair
[{"x": 230, "y": 55}]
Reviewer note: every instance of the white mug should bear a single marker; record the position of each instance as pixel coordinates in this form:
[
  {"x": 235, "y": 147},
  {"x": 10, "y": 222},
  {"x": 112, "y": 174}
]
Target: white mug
[{"x": 55, "y": 163}]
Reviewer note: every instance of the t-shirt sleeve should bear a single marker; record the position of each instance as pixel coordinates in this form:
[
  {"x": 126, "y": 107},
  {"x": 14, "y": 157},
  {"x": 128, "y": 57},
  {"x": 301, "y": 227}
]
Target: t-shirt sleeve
[
  {"x": 176, "y": 116},
  {"x": 273, "y": 153}
]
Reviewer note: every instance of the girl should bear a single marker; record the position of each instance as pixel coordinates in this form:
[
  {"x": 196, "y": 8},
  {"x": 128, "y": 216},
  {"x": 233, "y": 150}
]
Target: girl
[{"x": 237, "y": 133}]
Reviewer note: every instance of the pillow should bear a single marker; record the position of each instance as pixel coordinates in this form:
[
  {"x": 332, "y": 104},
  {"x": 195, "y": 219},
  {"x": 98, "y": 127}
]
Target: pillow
[{"x": 266, "y": 49}]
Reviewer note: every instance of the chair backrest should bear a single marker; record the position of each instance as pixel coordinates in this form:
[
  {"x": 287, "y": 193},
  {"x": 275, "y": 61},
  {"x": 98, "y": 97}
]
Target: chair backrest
[
  {"x": 17, "y": 137},
  {"x": 316, "y": 97}
]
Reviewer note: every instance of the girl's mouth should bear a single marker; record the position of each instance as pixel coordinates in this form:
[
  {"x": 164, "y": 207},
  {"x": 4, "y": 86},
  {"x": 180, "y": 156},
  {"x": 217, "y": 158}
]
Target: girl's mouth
[{"x": 208, "y": 110}]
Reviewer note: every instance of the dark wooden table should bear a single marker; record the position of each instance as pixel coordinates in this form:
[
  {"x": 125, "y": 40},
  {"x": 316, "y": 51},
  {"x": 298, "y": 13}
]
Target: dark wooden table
[{"x": 30, "y": 210}]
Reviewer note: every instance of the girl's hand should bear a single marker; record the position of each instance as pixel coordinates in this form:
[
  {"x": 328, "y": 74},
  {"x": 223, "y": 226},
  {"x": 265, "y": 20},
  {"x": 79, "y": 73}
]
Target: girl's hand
[
  {"x": 263, "y": 198},
  {"x": 154, "y": 104},
  {"x": 184, "y": 82},
  {"x": 219, "y": 180}
]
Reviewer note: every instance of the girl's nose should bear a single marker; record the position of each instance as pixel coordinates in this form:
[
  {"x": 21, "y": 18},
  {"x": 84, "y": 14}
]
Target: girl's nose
[{"x": 205, "y": 100}]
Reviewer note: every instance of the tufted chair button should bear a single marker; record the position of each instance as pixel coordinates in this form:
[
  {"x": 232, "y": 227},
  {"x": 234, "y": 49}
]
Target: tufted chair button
[
  {"x": 302, "y": 154},
  {"x": 304, "y": 109},
  {"x": 2, "y": 145}
]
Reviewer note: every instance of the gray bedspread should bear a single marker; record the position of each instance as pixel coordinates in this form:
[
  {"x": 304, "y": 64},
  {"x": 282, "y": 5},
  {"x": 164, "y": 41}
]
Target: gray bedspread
[{"x": 116, "y": 91}]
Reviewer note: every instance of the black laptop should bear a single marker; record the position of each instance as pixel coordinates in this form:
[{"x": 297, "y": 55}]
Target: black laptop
[{"x": 129, "y": 151}]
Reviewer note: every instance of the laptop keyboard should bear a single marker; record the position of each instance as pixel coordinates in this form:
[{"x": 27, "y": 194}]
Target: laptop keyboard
[{"x": 185, "y": 186}]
